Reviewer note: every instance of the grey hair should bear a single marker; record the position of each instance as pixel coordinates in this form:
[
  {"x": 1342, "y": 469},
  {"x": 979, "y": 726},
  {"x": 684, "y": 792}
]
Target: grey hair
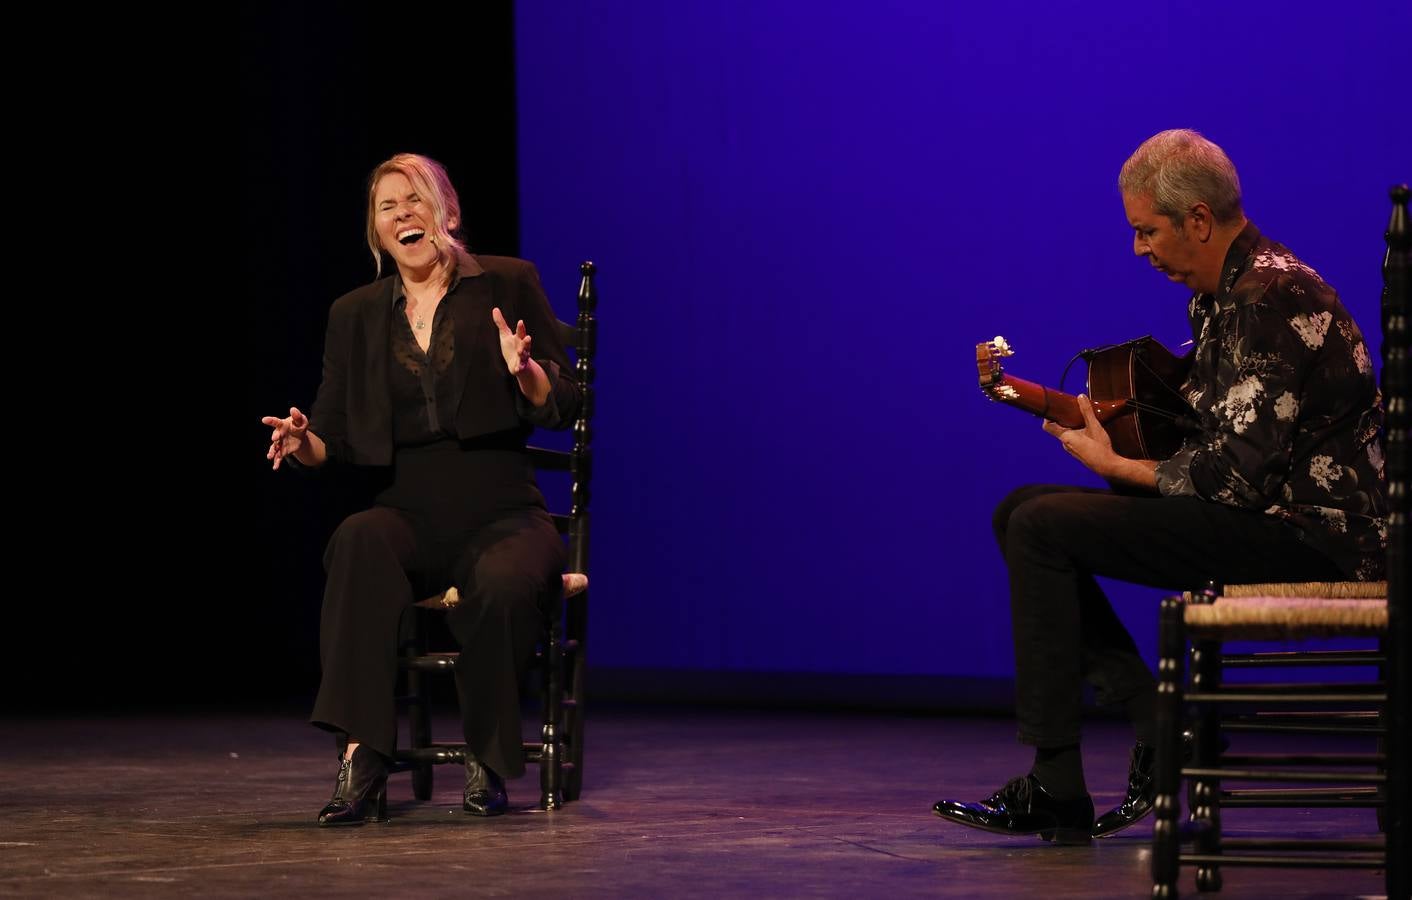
[{"x": 1180, "y": 168}]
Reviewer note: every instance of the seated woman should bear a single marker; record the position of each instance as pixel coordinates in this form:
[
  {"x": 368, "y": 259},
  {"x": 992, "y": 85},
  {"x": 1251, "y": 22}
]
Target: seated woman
[{"x": 424, "y": 376}]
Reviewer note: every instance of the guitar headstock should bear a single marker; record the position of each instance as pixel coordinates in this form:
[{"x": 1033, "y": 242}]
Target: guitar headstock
[{"x": 988, "y": 357}]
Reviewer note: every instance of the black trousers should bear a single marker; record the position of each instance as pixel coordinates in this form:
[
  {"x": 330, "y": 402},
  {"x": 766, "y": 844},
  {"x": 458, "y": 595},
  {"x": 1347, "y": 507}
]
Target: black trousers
[
  {"x": 382, "y": 560},
  {"x": 1056, "y": 538}
]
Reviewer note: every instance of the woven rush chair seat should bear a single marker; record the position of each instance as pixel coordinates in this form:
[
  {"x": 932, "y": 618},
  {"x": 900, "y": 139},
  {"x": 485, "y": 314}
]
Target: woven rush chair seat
[
  {"x": 1333, "y": 590},
  {"x": 574, "y": 583},
  {"x": 1277, "y": 618}
]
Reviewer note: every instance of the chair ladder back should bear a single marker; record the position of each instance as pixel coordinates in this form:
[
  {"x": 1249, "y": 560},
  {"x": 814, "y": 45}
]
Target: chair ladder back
[{"x": 1397, "y": 344}]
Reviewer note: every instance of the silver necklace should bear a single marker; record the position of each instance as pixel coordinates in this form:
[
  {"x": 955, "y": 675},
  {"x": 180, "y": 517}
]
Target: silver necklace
[{"x": 421, "y": 323}]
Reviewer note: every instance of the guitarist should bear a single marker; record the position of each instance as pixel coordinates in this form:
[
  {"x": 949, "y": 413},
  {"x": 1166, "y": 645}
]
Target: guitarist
[{"x": 1282, "y": 482}]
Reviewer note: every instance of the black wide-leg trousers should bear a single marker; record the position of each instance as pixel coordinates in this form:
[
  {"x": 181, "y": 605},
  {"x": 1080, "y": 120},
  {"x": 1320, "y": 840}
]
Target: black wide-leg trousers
[
  {"x": 1056, "y": 539},
  {"x": 382, "y": 560}
]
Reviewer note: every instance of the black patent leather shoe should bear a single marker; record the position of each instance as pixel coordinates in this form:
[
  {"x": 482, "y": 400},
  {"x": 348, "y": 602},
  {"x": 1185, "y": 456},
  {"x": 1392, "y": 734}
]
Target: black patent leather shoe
[
  {"x": 360, "y": 793},
  {"x": 1142, "y": 786},
  {"x": 485, "y": 791},
  {"x": 1142, "y": 791},
  {"x": 1023, "y": 806}
]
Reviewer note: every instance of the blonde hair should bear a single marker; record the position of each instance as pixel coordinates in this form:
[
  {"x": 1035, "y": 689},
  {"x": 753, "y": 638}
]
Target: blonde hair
[
  {"x": 433, "y": 185},
  {"x": 1180, "y": 168}
]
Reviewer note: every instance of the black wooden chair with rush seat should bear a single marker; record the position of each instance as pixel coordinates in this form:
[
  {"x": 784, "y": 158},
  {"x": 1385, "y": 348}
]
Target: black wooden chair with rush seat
[
  {"x": 560, "y": 656},
  {"x": 1375, "y": 709}
]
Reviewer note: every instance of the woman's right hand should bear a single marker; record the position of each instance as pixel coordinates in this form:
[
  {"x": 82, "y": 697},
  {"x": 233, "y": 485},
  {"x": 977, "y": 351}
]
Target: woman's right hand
[{"x": 288, "y": 436}]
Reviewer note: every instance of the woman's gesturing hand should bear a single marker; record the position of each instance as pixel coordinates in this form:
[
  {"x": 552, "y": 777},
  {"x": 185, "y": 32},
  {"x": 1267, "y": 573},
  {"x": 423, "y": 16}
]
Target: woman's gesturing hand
[
  {"x": 288, "y": 435},
  {"x": 515, "y": 345}
]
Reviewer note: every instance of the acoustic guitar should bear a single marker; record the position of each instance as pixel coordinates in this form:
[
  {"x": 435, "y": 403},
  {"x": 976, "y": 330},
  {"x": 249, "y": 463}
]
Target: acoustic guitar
[{"x": 1135, "y": 389}]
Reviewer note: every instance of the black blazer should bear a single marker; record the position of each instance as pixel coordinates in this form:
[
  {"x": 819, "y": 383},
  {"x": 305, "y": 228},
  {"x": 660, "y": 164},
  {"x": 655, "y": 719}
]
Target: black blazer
[{"x": 352, "y": 412}]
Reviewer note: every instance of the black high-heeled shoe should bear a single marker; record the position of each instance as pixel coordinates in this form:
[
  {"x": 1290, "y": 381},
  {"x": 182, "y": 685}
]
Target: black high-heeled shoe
[{"x": 360, "y": 793}]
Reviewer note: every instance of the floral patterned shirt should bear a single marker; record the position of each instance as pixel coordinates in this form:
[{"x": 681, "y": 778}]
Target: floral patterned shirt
[{"x": 1283, "y": 384}]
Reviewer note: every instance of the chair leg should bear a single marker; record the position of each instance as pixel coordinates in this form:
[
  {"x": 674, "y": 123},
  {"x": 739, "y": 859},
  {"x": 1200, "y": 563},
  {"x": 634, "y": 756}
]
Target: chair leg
[
  {"x": 1206, "y": 813},
  {"x": 418, "y": 716},
  {"x": 1398, "y": 797},
  {"x": 1166, "y": 842},
  {"x": 575, "y": 627},
  {"x": 1385, "y": 722},
  {"x": 551, "y": 794}
]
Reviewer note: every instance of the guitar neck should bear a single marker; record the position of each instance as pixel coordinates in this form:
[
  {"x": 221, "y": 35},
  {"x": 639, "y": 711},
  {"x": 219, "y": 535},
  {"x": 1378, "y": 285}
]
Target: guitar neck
[
  {"x": 1047, "y": 403},
  {"x": 1056, "y": 406}
]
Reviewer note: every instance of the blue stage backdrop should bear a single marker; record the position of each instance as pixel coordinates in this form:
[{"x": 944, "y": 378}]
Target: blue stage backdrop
[{"x": 806, "y": 215}]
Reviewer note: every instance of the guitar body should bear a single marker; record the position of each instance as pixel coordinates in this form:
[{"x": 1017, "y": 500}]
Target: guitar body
[
  {"x": 1144, "y": 371},
  {"x": 1134, "y": 388}
]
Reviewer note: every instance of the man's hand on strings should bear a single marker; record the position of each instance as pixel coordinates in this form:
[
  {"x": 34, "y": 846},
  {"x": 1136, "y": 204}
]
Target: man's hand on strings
[{"x": 1090, "y": 444}]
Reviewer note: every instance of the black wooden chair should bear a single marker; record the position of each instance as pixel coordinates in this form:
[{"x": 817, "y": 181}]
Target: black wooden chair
[
  {"x": 560, "y": 656},
  {"x": 1375, "y": 708}
]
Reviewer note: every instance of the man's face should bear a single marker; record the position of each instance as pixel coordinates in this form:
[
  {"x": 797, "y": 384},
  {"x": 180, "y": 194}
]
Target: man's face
[{"x": 1172, "y": 250}]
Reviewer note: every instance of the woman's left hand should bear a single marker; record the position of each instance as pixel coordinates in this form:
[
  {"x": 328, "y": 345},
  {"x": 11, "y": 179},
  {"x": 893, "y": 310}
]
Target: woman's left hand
[{"x": 515, "y": 345}]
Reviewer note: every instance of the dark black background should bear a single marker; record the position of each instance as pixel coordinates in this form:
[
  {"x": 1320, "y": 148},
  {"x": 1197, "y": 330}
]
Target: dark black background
[{"x": 213, "y": 175}]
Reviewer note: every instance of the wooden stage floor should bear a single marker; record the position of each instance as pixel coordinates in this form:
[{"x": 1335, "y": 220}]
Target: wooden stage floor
[{"x": 677, "y": 803}]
